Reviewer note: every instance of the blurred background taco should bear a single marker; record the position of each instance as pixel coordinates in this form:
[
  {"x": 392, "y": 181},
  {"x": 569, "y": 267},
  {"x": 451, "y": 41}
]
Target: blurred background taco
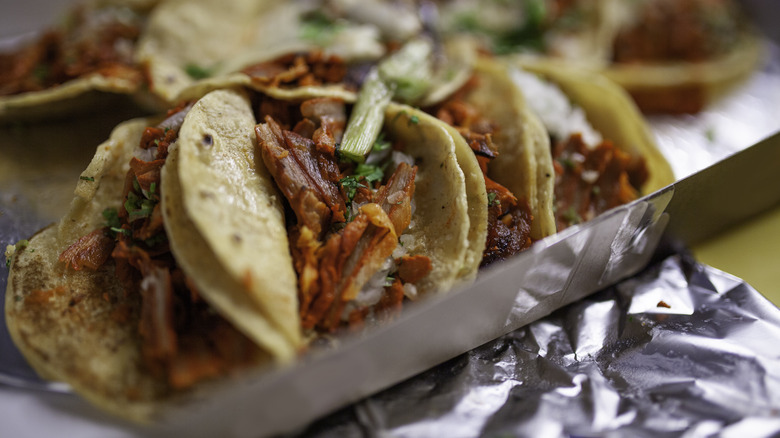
[
  {"x": 86, "y": 60},
  {"x": 673, "y": 56},
  {"x": 192, "y": 47}
]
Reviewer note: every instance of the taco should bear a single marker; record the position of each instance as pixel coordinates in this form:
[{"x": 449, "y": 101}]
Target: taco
[
  {"x": 397, "y": 225},
  {"x": 76, "y": 63},
  {"x": 674, "y": 56},
  {"x": 211, "y": 43},
  {"x": 513, "y": 152},
  {"x": 671, "y": 55},
  {"x": 100, "y": 300},
  {"x": 602, "y": 151},
  {"x": 556, "y": 149},
  {"x": 173, "y": 267}
]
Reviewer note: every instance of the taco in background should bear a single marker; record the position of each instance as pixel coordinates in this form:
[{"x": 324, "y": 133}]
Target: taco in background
[
  {"x": 604, "y": 155},
  {"x": 75, "y": 64},
  {"x": 673, "y": 56},
  {"x": 208, "y": 44}
]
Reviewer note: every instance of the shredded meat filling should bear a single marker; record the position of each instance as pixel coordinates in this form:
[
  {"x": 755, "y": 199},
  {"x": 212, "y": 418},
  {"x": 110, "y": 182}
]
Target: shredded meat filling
[
  {"x": 333, "y": 256},
  {"x": 678, "y": 30},
  {"x": 300, "y": 171},
  {"x": 591, "y": 181},
  {"x": 299, "y": 70},
  {"x": 90, "y": 251}
]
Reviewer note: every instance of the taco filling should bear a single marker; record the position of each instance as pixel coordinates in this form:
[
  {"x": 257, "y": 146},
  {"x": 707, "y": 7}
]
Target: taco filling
[
  {"x": 184, "y": 340},
  {"x": 301, "y": 70},
  {"x": 592, "y": 175},
  {"x": 347, "y": 236},
  {"x": 94, "y": 41}
]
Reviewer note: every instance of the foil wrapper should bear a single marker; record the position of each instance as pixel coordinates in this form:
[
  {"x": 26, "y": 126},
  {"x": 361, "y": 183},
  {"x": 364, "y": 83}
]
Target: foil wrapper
[{"x": 679, "y": 350}]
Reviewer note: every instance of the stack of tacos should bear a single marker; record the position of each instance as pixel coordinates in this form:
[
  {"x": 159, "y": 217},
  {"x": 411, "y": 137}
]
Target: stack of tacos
[{"x": 238, "y": 229}]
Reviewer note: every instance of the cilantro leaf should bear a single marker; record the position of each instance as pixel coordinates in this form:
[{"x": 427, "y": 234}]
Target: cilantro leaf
[
  {"x": 571, "y": 216},
  {"x": 350, "y": 185},
  {"x": 381, "y": 144},
  {"x": 197, "y": 72},
  {"x": 370, "y": 172},
  {"x": 112, "y": 218},
  {"x": 493, "y": 199}
]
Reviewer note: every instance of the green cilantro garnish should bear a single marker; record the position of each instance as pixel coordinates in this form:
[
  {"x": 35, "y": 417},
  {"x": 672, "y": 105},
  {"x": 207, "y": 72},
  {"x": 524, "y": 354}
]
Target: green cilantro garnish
[
  {"x": 710, "y": 134},
  {"x": 124, "y": 231},
  {"x": 571, "y": 216},
  {"x": 467, "y": 22},
  {"x": 567, "y": 163},
  {"x": 381, "y": 144},
  {"x": 87, "y": 178},
  {"x": 529, "y": 34},
  {"x": 350, "y": 185},
  {"x": 140, "y": 206},
  {"x": 414, "y": 120},
  {"x": 319, "y": 28},
  {"x": 7, "y": 262},
  {"x": 41, "y": 72},
  {"x": 370, "y": 172},
  {"x": 157, "y": 239},
  {"x": 197, "y": 72},
  {"x": 493, "y": 199},
  {"x": 112, "y": 218}
]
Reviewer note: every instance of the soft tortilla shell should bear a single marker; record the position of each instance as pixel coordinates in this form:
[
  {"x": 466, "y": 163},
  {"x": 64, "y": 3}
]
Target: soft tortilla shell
[
  {"x": 79, "y": 326},
  {"x": 442, "y": 218},
  {"x": 226, "y": 225},
  {"x": 225, "y": 37},
  {"x": 63, "y": 100},
  {"x": 524, "y": 164}
]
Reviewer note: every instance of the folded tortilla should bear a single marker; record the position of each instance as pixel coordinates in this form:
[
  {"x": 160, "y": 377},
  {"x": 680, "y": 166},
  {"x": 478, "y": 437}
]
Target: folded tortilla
[{"x": 82, "y": 327}]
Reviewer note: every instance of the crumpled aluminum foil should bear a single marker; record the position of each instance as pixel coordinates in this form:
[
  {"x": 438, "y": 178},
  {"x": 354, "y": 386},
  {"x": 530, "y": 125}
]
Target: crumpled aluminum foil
[{"x": 680, "y": 350}]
